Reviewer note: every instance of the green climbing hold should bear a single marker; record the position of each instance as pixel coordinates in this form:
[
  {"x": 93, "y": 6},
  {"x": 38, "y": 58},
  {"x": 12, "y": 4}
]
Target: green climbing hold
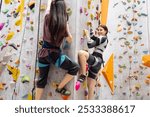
[
  {"x": 5, "y": 11},
  {"x": 25, "y": 79},
  {"x": 1, "y": 43}
]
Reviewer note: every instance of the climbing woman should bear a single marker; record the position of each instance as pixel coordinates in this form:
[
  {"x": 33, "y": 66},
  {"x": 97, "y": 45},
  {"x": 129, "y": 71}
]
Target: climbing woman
[
  {"x": 98, "y": 41},
  {"x": 56, "y": 29}
]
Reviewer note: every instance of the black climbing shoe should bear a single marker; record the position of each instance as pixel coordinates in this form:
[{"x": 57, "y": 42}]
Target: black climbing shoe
[
  {"x": 63, "y": 91},
  {"x": 81, "y": 78}
]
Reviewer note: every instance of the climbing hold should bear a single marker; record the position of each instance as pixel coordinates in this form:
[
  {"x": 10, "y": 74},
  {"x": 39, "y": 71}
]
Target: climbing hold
[
  {"x": 77, "y": 86},
  {"x": 148, "y": 76},
  {"x": 13, "y": 45},
  {"x": 136, "y": 38},
  {"x": 25, "y": 79},
  {"x": 130, "y": 32},
  {"x": 92, "y": 16},
  {"x": 43, "y": 7},
  {"x": 64, "y": 97},
  {"x": 1, "y": 43},
  {"x": 147, "y": 81},
  {"x": 15, "y": 15},
  {"x": 18, "y": 22},
  {"x": 5, "y": 11},
  {"x": 1, "y": 86},
  {"x": 89, "y": 4},
  {"x": 29, "y": 96},
  {"x": 18, "y": 9},
  {"x": 139, "y": 32},
  {"x": 10, "y": 36},
  {"x": 127, "y": 43},
  {"x": 137, "y": 86},
  {"x": 15, "y": 72},
  {"x": 17, "y": 62},
  {"x": 31, "y": 4},
  {"x": 108, "y": 73},
  {"x": 7, "y": 1},
  {"x": 1, "y": 26},
  {"x": 119, "y": 28},
  {"x": 81, "y": 11},
  {"x": 89, "y": 24},
  {"x": 69, "y": 11},
  {"x": 146, "y": 60}
]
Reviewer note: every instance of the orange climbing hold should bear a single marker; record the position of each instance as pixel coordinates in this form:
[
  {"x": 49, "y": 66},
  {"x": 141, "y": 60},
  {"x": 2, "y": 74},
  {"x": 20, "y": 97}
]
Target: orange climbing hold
[
  {"x": 146, "y": 60},
  {"x": 104, "y": 11},
  {"x": 108, "y": 72},
  {"x": 64, "y": 97},
  {"x": 148, "y": 76},
  {"x": 1, "y": 86}
]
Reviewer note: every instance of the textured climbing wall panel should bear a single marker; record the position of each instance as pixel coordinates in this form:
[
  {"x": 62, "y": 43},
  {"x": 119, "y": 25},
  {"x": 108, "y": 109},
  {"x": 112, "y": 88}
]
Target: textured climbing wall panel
[
  {"x": 18, "y": 49},
  {"x": 128, "y": 22}
]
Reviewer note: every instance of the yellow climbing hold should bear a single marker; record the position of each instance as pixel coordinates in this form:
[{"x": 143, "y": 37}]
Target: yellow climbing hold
[
  {"x": 146, "y": 60},
  {"x": 18, "y": 9},
  {"x": 29, "y": 96},
  {"x": 108, "y": 72},
  {"x": 43, "y": 7},
  {"x": 18, "y": 22},
  {"x": 10, "y": 36},
  {"x": 137, "y": 86},
  {"x": 89, "y": 4},
  {"x": 15, "y": 72},
  {"x": 7, "y": 1}
]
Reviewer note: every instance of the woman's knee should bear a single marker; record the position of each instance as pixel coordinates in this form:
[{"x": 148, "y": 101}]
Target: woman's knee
[
  {"x": 74, "y": 69},
  {"x": 83, "y": 53}
]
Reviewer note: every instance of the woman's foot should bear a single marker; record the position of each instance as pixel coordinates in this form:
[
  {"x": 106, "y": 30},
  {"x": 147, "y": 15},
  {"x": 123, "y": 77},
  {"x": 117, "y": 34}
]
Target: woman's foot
[
  {"x": 63, "y": 91},
  {"x": 81, "y": 78}
]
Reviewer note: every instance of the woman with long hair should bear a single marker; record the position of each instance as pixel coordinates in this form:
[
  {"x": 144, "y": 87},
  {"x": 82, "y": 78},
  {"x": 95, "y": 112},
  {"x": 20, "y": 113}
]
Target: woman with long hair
[{"x": 55, "y": 30}]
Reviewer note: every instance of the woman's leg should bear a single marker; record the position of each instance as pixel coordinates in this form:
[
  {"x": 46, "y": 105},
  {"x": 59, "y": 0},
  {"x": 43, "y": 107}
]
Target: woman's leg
[
  {"x": 72, "y": 69},
  {"x": 41, "y": 83},
  {"x": 91, "y": 88},
  {"x": 83, "y": 57},
  {"x": 44, "y": 66}
]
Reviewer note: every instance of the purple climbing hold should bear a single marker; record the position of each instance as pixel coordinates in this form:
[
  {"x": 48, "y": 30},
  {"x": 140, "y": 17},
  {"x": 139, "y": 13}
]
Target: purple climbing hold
[{"x": 1, "y": 26}]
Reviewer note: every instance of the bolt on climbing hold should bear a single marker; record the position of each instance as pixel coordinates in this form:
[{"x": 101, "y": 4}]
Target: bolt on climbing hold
[
  {"x": 1, "y": 26},
  {"x": 69, "y": 11},
  {"x": 10, "y": 36},
  {"x": 25, "y": 79},
  {"x": 31, "y": 4},
  {"x": 7, "y": 1}
]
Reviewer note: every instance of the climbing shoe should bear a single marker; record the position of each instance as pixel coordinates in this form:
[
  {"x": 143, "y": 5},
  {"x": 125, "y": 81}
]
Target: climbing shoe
[{"x": 63, "y": 91}]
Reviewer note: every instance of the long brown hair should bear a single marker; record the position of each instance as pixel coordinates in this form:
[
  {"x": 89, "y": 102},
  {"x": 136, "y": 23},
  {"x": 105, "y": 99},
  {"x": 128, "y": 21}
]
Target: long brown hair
[{"x": 57, "y": 19}]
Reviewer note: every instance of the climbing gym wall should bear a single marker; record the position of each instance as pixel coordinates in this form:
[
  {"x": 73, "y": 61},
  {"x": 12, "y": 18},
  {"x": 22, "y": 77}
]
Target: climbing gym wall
[
  {"x": 18, "y": 47},
  {"x": 128, "y": 23},
  {"x": 21, "y": 31}
]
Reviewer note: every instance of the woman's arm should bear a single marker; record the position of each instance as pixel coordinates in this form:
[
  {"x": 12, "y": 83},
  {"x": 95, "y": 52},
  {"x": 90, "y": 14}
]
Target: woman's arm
[{"x": 69, "y": 37}]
